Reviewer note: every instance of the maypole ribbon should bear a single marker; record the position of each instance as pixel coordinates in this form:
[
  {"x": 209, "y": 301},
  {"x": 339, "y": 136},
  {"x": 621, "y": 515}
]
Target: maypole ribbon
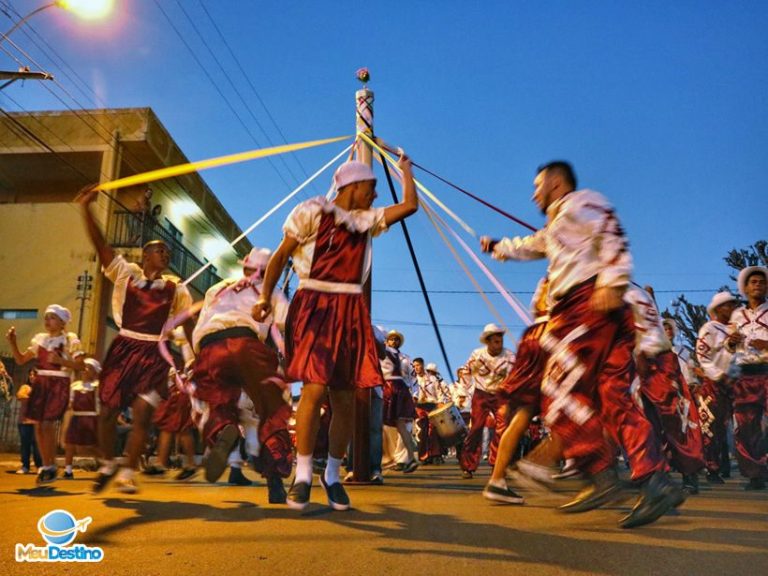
[
  {"x": 421, "y": 187},
  {"x": 272, "y": 211},
  {"x": 188, "y": 168}
]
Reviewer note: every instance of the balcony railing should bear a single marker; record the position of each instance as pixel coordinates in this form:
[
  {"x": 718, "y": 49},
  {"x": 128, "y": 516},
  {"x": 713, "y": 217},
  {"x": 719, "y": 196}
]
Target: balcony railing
[{"x": 133, "y": 230}]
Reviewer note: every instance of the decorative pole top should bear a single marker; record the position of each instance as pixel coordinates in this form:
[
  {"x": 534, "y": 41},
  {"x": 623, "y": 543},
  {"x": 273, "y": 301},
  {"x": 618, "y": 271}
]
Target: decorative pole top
[{"x": 364, "y": 76}]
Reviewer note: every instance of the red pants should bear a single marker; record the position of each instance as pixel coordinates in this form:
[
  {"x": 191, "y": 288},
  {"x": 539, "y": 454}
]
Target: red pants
[
  {"x": 483, "y": 406},
  {"x": 587, "y": 386},
  {"x": 749, "y": 406},
  {"x": 714, "y": 407},
  {"x": 673, "y": 412},
  {"x": 227, "y": 366},
  {"x": 427, "y": 440}
]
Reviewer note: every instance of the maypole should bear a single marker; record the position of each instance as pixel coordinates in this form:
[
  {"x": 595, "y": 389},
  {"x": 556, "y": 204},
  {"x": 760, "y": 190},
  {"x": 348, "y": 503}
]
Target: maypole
[{"x": 361, "y": 438}]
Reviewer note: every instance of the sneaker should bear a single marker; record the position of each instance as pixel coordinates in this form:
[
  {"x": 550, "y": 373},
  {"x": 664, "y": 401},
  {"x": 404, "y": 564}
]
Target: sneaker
[
  {"x": 237, "y": 478},
  {"x": 466, "y": 475},
  {"x": 126, "y": 485},
  {"x": 543, "y": 475},
  {"x": 399, "y": 467},
  {"x": 102, "y": 480},
  {"x": 714, "y": 478},
  {"x": 377, "y": 479},
  {"x": 298, "y": 495},
  {"x": 502, "y": 494},
  {"x": 186, "y": 474},
  {"x": 46, "y": 475},
  {"x": 755, "y": 484},
  {"x": 658, "y": 495},
  {"x": 276, "y": 490},
  {"x": 691, "y": 484},
  {"x": 411, "y": 467},
  {"x": 154, "y": 470},
  {"x": 337, "y": 496},
  {"x": 68, "y": 476},
  {"x": 605, "y": 487},
  {"x": 219, "y": 454},
  {"x": 22, "y": 471}
]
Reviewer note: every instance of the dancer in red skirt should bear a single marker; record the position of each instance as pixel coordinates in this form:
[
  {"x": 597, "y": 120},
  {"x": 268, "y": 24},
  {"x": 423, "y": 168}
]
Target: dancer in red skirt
[
  {"x": 82, "y": 430},
  {"x": 329, "y": 339}
]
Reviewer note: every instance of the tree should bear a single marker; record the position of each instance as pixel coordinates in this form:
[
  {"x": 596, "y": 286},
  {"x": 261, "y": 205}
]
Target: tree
[{"x": 688, "y": 317}]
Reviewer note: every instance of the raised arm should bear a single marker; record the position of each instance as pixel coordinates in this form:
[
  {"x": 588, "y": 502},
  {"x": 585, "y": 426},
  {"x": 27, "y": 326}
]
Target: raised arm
[
  {"x": 105, "y": 252},
  {"x": 410, "y": 203}
]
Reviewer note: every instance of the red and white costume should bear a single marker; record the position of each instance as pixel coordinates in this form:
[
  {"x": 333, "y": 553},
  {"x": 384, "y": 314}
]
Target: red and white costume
[
  {"x": 669, "y": 404},
  {"x": 714, "y": 394},
  {"x": 397, "y": 400},
  {"x": 84, "y": 403},
  {"x": 49, "y": 397},
  {"x": 140, "y": 308},
  {"x": 750, "y": 390},
  {"x": 485, "y": 374},
  {"x": 430, "y": 392},
  {"x": 590, "y": 367},
  {"x": 329, "y": 337},
  {"x": 232, "y": 356}
]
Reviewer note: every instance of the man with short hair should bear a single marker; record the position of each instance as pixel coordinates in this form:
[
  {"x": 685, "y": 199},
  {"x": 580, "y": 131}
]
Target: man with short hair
[
  {"x": 487, "y": 367},
  {"x": 590, "y": 341},
  {"x": 330, "y": 345},
  {"x": 748, "y": 340},
  {"x": 713, "y": 396},
  {"x": 134, "y": 373}
]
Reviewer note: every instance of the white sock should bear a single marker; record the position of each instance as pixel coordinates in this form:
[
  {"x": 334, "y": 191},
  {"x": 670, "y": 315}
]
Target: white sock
[
  {"x": 303, "y": 469},
  {"x": 69, "y": 469},
  {"x": 108, "y": 467},
  {"x": 332, "y": 470},
  {"x": 125, "y": 474}
]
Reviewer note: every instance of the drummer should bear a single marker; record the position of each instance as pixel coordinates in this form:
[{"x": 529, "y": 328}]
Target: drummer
[
  {"x": 485, "y": 370},
  {"x": 429, "y": 395}
]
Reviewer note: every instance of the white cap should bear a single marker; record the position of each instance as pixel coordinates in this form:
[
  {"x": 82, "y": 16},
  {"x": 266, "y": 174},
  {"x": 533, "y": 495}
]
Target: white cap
[
  {"x": 718, "y": 299},
  {"x": 489, "y": 330},
  {"x": 93, "y": 363},
  {"x": 746, "y": 273},
  {"x": 257, "y": 258},
  {"x": 63, "y": 314},
  {"x": 351, "y": 172},
  {"x": 431, "y": 367}
]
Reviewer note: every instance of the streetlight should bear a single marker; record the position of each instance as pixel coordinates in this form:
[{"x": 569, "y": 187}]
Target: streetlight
[{"x": 87, "y": 9}]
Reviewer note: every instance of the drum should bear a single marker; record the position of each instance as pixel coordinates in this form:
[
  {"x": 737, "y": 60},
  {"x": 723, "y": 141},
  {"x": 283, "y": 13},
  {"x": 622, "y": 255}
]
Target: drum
[{"x": 448, "y": 424}]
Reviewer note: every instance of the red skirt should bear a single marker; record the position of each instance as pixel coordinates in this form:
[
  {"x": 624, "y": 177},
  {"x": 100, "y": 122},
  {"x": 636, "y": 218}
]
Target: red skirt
[
  {"x": 82, "y": 431},
  {"x": 397, "y": 403},
  {"x": 48, "y": 399},
  {"x": 174, "y": 413},
  {"x": 132, "y": 367},
  {"x": 330, "y": 341},
  {"x": 522, "y": 386}
]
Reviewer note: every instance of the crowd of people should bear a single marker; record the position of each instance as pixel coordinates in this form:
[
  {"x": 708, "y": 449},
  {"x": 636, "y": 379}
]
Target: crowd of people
[{"x": 598, "y": 371}]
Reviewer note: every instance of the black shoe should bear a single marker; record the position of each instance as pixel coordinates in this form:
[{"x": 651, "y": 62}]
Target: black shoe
[
  {"x": 68, "y": 476},
  {"x": 337, "y": 496},
  {"x": 298, "y": 495},
  {"x": 658, "y": 495},
  {"x": 219, "y": 454},
  {"x": 276, "y": 489},
  {"x": 466, "y": 475},
  {"x": 46, "y": 476},
  {"x": 691, "y": 484},
  {"x": 154, "y": 470},
  {"x": 237, "y": 478},
  {"x": 714, "y": 478},
  {"x": 411, "y": 467},
  {"x": 399, "y": 467},
  {"x": 755, "y": 484},
  {"x": 186, "y": 474},
  {"x": 604, "y": 488},
  {"x": 506, "y": 494},
  {"x": 102, "y": 480}
]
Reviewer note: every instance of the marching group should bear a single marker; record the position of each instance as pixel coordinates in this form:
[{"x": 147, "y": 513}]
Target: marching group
[{"x": 598, "y": 365}]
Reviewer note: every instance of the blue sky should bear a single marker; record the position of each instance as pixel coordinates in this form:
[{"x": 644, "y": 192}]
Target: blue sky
[{"x": 660, "y": 106}]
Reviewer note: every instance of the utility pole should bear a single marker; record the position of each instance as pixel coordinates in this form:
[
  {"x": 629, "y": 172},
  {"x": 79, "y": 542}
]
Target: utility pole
[
  {"x": 84, "y": 287},
  {"x": 361, "y": 437}
]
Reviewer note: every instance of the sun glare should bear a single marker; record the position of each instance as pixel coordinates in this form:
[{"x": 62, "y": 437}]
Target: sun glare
[{"x": 88, "y": 9}]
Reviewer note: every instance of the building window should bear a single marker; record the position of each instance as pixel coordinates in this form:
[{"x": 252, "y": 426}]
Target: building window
[{"x": 7, "y": 314}]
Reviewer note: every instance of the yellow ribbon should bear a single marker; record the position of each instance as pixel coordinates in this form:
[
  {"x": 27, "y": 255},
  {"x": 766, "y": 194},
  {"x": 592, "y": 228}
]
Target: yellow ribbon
[{"x": 190, "y": 167}]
